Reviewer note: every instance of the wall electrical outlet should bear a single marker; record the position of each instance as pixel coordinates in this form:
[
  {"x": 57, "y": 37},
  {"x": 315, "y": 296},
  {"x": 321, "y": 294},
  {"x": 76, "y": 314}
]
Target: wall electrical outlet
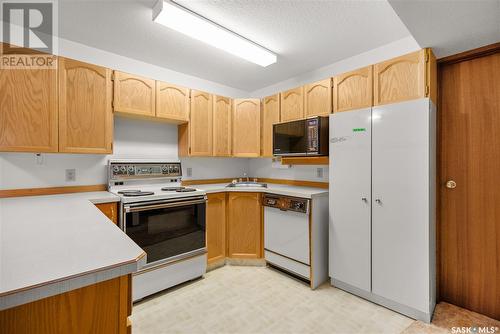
[
  {"x": 319, "y": 173},
  {"x": 189, "y": 172},
  {"x": 70, "y": 175}
]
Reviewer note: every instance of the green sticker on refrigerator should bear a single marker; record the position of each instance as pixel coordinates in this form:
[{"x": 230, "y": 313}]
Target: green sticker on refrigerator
[{"x": 358, "y": 129}]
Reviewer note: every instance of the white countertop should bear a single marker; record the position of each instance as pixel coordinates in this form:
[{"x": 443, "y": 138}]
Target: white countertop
[
  {"x": 53, "y": 244},
  {"x": 279, "y": 189}
]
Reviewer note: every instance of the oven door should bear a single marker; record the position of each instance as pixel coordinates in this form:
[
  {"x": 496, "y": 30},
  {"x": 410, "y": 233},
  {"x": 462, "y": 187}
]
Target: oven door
[
  {"x": 290, "y": 138},
  {"x": 167, "y": 231}
]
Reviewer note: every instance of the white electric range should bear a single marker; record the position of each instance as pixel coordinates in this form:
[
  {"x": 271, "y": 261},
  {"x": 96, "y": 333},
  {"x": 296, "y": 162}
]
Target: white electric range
[{"x": 164, "y": 218}]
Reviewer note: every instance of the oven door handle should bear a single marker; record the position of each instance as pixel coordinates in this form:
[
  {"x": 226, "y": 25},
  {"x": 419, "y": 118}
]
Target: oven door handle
[{"x": 161, "y": 206}]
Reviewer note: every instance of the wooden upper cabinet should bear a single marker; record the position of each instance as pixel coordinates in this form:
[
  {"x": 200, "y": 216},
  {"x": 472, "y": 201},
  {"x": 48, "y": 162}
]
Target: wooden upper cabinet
[
  {"x": 216, "y": 227},
  {"x": 318, "y": 98},
  {"x": 133, "y": 94},
  {"x": 270, "y": 116},
  {"x": 28, "y": 110},
  {"x": 172, "y": 102},
  {"x": 353, "y": 90},
  {"x": 404, "y": 78},
  {"x": 221, "y": 126},
  {"x": 244, "y": 225},
  {"x": 85, "y": 112},
  {"x": 200, "y": 125},
  {"x": 292, "y": 104},
  {"x": 246, "y": 128}
]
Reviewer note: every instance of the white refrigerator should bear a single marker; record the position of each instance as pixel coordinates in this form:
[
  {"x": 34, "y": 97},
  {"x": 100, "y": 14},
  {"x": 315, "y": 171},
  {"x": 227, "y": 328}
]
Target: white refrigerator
[{"x": 382, "y": 205}]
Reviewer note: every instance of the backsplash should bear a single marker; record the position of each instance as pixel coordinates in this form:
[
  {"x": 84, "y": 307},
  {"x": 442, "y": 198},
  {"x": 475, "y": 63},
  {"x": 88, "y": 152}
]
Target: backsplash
[{"x": 262, "y": 167}]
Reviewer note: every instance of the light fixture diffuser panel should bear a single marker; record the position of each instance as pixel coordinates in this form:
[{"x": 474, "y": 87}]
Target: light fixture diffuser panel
[{"x": 188, "y": 23}]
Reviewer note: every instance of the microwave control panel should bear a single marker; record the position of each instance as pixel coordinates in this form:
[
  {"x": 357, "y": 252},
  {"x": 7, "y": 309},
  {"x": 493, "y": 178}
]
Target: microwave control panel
[{"x": 312, "y": 135}]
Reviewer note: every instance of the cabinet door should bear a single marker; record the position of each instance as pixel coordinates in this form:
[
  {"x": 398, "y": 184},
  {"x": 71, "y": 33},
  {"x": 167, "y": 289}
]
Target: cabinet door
[
  {"x": 134, "y": 94},
  {"x": 28, "y": 110},
  {"x": 400, "y": 79},
  {"x": 246, "y": 128},
  {"x": 222, "y": 126},
  {"x": 216, "y": 227},
  {"x": 353, "y": 90},
  {"x": 270, "y": 116},
  {"x": 350, "y": 198},
  {"x": 172, "y": 102},
  {"x": 85, "y": 113},
  {"x": 110, "y": 210},
  {"x": 292, "y": 104},
  {"x": 318, "y": 98},
  {"x": 200, "y": 125},
  {"x": 244, "y": 225},
  {"x": 401, "y": 230}
]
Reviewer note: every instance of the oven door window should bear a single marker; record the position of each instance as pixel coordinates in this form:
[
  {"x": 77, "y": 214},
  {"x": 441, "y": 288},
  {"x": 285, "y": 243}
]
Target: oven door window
[
  {"x": 167, "y": 232},
  {"x": 290, "y": 138}
]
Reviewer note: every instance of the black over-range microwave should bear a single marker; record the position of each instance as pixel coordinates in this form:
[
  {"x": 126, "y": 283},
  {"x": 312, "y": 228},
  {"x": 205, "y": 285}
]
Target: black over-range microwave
[{"x": 305, "y": 137}]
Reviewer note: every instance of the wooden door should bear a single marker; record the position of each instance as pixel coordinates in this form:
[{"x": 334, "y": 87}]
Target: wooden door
[
  {"x": 172, "y": 102},
  {"x": 28, "y": 110},
  {"x": 318, "y": 98},
  {"x": 216, "y": 227},
  {"x": 246, "y": 128},
  {"x": 110, "y": 210},
  {"x": 85, "y": 112},
  {"x": 353, "y": 90},
  {"x": 270, "y": 116},
  {"x": 399, "y": 79},
  {"x": 244, "y": 225},
  {"x": 469, "y": 155},
  {"x": 133, "y": 94},
  {"x": 200, "y": 125},
  {"x": 292, "y": 104},
  {"x": 222, "y": 126}
]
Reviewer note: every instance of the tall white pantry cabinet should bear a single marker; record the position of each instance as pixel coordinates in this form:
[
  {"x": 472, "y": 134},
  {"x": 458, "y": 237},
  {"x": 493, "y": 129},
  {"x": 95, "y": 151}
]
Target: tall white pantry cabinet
[{"x": 382, "y": 205}]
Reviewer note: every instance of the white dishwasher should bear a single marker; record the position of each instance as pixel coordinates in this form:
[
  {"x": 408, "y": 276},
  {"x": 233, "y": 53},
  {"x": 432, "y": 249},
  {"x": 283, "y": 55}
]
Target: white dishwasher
[{"x": 287, "y": 233}]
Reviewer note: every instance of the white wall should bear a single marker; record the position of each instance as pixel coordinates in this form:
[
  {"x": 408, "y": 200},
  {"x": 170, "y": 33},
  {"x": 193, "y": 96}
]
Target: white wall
[
  {"x": 385, "y": 52},
  {"x": 263, "y": 168}
]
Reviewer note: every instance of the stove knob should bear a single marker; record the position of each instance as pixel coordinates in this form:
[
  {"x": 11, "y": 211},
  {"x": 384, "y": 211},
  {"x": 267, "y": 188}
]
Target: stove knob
[
  {"x": 164, "y": 169},
  {"x": 116, "y": 169},
  {"x": 130, "y": 169},
  {"x": 171, "y": 169},
  {"x": 123, "y": 169}
]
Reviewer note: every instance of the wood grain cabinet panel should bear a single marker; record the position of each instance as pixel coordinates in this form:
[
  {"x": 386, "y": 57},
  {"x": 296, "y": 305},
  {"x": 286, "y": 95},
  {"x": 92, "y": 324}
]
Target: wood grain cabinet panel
[
  {"x": 270, "y": 116},
  {"x": 216, "y": 227},
  {"x": 292, "y": 104},
  {"x": 318, "y": 98},
  {"x": 407, "y": 77},
  {"x": 353, "y": 90},
  {"x": 85, "y": 111},
  {"x": 244, "y": 225},
  {"x": 246, "y": 128},
  {"x": 222, "y": 126},
  {"x": 134, "y": 95},
  {"x": 200, "y": 125},
  {"x": 28, "y": 110},
  {"x": 97, "y": 308},
  {"x": 110, "y": 210},
  {"x": 172, "y": 102}
]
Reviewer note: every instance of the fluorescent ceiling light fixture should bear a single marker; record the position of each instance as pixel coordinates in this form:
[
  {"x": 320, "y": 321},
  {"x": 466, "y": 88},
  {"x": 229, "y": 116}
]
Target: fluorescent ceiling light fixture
[{"x": 193, "y": 25}]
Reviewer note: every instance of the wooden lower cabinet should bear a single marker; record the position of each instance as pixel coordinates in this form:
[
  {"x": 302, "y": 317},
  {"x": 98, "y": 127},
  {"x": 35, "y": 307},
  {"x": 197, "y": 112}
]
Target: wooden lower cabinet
[
  {"x": 110, "y": 210},
  {"x": 244, "y": 219},
  {"x": 216, "y": 227},
  {"x": 99, "y": 308}
]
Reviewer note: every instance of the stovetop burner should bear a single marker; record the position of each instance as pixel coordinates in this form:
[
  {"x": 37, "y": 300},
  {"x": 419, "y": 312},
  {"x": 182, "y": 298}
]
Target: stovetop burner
[
  {"x": 135, "y": 193},
  {"x": 178, "y": 189}
]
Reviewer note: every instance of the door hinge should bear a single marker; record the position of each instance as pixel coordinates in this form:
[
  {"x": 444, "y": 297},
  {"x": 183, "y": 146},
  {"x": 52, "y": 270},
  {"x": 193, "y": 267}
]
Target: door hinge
[
  {"x": 427, "y": 90},
  {"x": 426, "y": 56},
  {"x": 113, "y": 76},
  {"x": 113, "y": 104},
  {"x": 189, "y": 151}
]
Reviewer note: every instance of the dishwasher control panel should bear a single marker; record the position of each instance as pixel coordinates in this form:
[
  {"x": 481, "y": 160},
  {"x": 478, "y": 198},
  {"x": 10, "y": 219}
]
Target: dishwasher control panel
[{"x": 286, "y": 203}]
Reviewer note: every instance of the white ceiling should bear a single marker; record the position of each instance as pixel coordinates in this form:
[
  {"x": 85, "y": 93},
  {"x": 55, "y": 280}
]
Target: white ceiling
[
  {"x": 450, "y": 27},
  {"x": 305, "y": 34}
]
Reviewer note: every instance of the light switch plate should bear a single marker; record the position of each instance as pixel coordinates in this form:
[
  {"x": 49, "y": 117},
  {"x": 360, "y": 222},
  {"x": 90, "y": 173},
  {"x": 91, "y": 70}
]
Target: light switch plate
[
  {"x": 70, "y": 175},
  {"x": 319, "y": 172},
  {"x": 189, "y": 172}
]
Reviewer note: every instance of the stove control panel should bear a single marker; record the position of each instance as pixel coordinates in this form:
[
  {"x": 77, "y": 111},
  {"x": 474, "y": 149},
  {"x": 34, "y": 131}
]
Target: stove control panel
[
  {"x": 285, "y": 203},
  {"x": 142, "y": 170}
]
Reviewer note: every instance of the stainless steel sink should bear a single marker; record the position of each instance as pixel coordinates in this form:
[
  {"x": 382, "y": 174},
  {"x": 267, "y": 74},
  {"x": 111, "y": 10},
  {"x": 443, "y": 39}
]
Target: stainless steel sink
[{"x": 247, "y": 184}]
